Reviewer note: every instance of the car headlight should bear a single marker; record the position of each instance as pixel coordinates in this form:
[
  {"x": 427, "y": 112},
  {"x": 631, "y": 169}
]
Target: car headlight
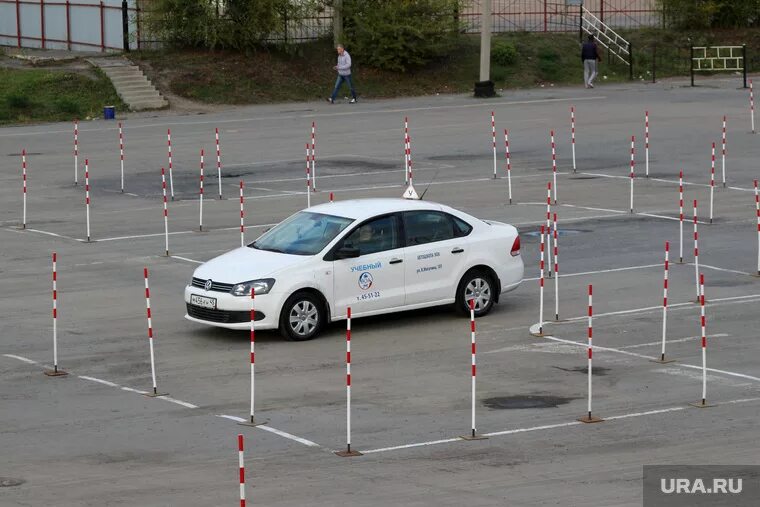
[{"x": 262, "y": 286}]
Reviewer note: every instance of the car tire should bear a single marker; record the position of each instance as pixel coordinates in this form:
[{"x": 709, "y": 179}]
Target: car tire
[
  {"x": 477, "y": 284},
  {"x": 302, "y": 317}
]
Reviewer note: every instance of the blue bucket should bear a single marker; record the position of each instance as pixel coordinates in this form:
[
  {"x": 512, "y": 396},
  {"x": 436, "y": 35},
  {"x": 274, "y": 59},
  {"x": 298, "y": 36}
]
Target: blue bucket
[{"x": 109, "y": 113}]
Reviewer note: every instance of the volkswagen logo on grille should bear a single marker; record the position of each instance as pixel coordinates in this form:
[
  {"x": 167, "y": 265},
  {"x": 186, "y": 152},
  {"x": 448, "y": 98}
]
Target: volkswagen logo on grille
[{"x": 208, "y": 284}]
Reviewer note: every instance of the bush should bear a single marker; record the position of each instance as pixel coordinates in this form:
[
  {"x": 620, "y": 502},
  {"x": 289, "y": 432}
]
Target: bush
[
  {"x": 18, "y": 101},
  {"x": 503, "y": 53},
  {"x": 498, "y": 74},
  {"x": 701, "y": 14},
  {"x": 400, "y": 35},
  {"x": 68, "y": 106},
  {"x": 233, "y": 24},
  {"x": 549, "y": 63}
]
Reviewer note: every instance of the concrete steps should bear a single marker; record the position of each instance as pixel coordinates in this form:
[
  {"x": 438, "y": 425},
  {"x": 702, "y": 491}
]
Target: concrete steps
[{"x": 134, "y": 88}]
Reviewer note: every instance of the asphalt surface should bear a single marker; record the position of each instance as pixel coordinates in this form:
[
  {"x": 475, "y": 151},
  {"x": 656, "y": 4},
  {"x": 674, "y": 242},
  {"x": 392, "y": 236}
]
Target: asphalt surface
[{"x": 85, "y": 440}]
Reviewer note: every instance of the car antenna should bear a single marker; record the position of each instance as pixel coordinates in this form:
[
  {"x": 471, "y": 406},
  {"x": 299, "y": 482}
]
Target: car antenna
[{"x": 422, "y": 196}]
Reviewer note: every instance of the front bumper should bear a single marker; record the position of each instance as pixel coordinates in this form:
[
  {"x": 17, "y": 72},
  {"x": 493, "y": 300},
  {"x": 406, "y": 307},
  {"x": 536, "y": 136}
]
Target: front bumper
[{"x": 233, "y": 312}]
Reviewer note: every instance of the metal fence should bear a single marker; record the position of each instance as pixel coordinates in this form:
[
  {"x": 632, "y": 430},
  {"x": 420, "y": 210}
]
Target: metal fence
[
  {"x": 94, "y": 25},
  {"x": 558, "y": 16},
  {"x": 80, "y": 25}
]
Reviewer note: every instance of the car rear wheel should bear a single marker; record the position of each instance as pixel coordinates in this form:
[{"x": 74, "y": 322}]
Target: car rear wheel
[
  {"x": 302, "y": 317},
  {"x": 476, "y": 285}
]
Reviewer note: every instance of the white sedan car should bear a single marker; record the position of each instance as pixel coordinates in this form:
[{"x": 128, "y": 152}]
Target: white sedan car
[{"x": 373, "y": 255}]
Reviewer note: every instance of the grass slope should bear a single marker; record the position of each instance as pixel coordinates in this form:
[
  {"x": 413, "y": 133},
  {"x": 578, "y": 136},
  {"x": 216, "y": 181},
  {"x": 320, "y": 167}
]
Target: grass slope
[{"x": 30, "y": 95}]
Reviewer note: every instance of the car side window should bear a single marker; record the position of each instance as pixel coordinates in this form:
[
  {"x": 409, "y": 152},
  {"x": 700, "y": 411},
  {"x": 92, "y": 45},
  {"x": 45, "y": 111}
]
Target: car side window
[
  {"x": 377, "y": 235},
  {"x": 461, "y": 228},
  {"x": 423, "y": 227}
]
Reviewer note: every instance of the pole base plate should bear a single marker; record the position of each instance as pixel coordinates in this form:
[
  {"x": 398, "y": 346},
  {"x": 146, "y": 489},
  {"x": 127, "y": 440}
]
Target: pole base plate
[
  {"x": 662, "y": 361},
  {"x": 590, "y": 419},
  {"x": 54, "y": 373},
  {"x": 253, "y": 423},
  {"x": 348, "y": 454},
  {"x": 155, "y": 395},
  {"x": 699, "y": 404},
  {"x": 473, "y": 437}
]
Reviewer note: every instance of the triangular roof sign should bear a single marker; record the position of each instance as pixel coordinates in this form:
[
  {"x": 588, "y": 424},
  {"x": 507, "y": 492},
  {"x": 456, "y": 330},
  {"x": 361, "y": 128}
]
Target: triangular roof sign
[{"x": 410, "y": 193}]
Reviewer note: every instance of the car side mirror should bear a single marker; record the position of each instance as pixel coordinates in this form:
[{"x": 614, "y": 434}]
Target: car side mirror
[{"x": 347, "y": 252}]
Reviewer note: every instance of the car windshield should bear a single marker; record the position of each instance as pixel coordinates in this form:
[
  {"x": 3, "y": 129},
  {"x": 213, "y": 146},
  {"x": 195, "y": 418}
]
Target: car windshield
[{"x": 305, "y": 233}]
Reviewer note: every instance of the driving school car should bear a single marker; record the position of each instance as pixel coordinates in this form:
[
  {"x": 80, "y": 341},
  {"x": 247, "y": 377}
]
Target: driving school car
[{"x": 375, "y": 256}]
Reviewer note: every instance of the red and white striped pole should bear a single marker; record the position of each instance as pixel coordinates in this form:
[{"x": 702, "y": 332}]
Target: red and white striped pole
[
  {"x": 696, "y": 250},
  {"x": 242, "y": 216},
  {"x": 87, "y": 194},
  {"x": 493, "y": 135},
  {"x": 665, "y": 303},
  {"x": 724, "y": 151},
  {"x": 406, "y": 149},
  {"x": 680, "y": 216},
  {"x": 150, "y": 337},
  {"x": 556, "y": 269},
  {"x": 200, "y": 197},
  {"x": 171, "y": 177},
  {"x": 757, "y": 211},
  {"x": 348, "y": 451},
  {"x": 554, "y": 167},
  {"x": 253, "y": 355},
  {"x": 314, "y": 156},
  {"x": 712, "y": 182},
  {"x": 646, "y": 142},
  {"x": 23, "y": 175},
  {"x": 752, "y": 106},
  {"x": 703, "y": 325},
  {"x": 308, "y": 178},
  {"x": 166, "y": 212},
  {"x": 218, "y": 161},
  {"x": 548, "y": 227},
  {"x": 241, "y": 468},
  {"x": 509, "y": 165},
  {"x": 121, "y": 155},
  {"x": 541, "y": 287},
  {"x": 331, "y": 197},
  {"x": 590, "y": 418},
  {"x": 473, "y": 373},
  {"x": 55, "y": 372},
  {"x": 76, "y": 152},
  {"x": 633, "y": 140},
  {"x": 572, "y": 134},
  {"x": 409, "y": 159}
]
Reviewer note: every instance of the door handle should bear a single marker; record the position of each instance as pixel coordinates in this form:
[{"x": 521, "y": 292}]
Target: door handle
[
  {"x": 395, "y": 261},
  {"x": 457, "y": 250}
]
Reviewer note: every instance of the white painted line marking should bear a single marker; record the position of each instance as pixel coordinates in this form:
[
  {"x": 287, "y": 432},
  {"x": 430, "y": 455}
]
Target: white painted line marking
[
  {"x": 534, "y": 330},
  {"x": 677, "y": 340},
  {"x": 410, "y": 446},
  {"x": 186, "y": 259},
  {"x": 641, "y": 414},
  {"x": 722, "y": 269},
  {"x": 232, "y": 418},
  {"x": 218, "y": 121},
  {"x": 613, "y": 270},
  {"x": 133, "y": 390},
  {"x": 98, "y": 380},
  {"x": 270, "y": 429},
  {"x": 178, "y": 402},
  {"x": 43, "y": 232},
  {"x": 551, "y": 426},
  {"x": 284, "y": 434},
  {"x": 20, "y": 358}
]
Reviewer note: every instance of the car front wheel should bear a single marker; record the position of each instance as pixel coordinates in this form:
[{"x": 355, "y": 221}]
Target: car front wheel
[
  {"x": 478, "y": 286},
  {"x": 302, "y": 317}
]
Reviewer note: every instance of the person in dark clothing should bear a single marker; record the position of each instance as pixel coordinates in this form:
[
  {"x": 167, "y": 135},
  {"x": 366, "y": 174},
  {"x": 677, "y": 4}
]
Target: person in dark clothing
[{"x": 590, "y": 55}]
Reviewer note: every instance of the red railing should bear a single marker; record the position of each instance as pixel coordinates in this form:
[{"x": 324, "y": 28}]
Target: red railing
[{"x": 39, "y": 31}]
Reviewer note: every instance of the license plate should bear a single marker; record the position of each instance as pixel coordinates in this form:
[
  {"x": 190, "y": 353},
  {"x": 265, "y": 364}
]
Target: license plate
[{"x": 203, "y": 301}]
